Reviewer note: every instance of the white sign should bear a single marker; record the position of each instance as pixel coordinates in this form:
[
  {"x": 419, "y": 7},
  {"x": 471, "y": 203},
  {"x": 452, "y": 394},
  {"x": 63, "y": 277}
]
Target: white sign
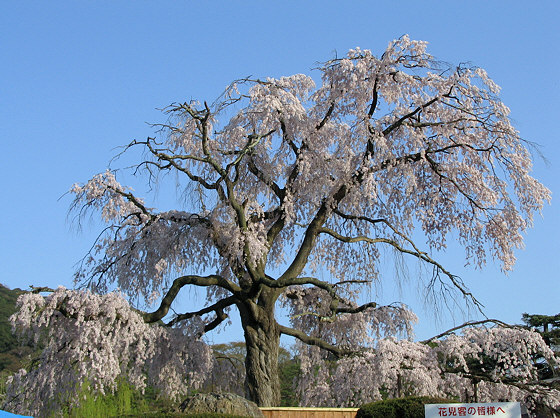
[{"x": 494, "y": 409}]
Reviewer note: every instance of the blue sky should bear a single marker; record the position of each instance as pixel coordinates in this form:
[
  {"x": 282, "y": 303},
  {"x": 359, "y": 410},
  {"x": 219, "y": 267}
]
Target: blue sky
[{"x": 79, "y": 78}]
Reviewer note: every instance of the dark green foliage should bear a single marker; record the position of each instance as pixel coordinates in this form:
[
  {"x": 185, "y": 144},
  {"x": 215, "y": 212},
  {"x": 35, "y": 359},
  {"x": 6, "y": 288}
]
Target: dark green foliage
[
  {"x": 125, "y": 402},
  {"x": 549, "y": 328},
  {"x": 546, "y": 325},
  {"x": 230, "y": 356},
  {"x": 180, "y": 415},
  {"x": 208, "y": 415},
  {"x": 13, "y": 356},
  {"x": 289, "y": 369},
  {"x": 410, "y": 407},
  {"x": 8, "y": 300}
]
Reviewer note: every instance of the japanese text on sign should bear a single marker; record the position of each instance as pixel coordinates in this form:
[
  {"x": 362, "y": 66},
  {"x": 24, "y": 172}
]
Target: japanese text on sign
[{"x": 496, "y": 409}]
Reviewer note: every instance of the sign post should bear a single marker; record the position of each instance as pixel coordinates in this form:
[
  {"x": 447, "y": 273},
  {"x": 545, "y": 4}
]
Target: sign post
[{"x": 493, "y": 409}]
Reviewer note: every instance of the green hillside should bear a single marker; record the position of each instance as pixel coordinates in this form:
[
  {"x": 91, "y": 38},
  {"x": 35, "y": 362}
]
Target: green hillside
[{"x": 12, "y": 354}]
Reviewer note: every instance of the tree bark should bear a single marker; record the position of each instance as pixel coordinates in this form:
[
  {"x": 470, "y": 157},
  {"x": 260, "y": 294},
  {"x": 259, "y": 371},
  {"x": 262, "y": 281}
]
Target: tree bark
[{"x": 262, "y": 339}]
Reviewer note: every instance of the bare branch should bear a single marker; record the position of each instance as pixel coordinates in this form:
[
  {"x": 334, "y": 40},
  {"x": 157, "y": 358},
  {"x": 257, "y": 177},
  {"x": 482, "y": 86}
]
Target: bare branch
[
  {"x": 357, "y": 309},
  {"x": 204, "y": 281},
  {"x": 171, "y": 160},
  {"x": 338, "y": 352},
  {"x": 217, "y": 307},
  {"x": 373, "y": 104},
  {"x": 326, "y": 117},
  {"x": 268, "y": 182},
  {"x": 221, "y": 316},
  {"x": 403, "y": 118}
]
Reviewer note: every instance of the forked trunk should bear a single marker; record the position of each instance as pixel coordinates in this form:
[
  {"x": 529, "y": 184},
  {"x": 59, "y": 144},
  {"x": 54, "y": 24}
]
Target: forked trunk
[{"x": 262, "y": 338}]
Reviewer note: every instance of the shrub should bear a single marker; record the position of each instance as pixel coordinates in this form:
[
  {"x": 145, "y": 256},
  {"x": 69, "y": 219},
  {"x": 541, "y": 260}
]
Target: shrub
[
  {"x": 410, "y": 407},
  {"x": 180, "y": 415}
]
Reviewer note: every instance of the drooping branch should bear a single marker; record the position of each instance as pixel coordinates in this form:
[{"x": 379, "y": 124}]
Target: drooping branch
[
  {"x": 468, "y": 324},
  {"x": 404, "y": 159},
  {"x": 343, "y": 238},
  {"x": 455, "y": 280},
  {"x": 314, "y": 227},
  {"x": 132, "y": 199},
  {"x": 358, "y": 177},
  {"x": 436, "y": 169},
  {"x": 376, "y": 221}
]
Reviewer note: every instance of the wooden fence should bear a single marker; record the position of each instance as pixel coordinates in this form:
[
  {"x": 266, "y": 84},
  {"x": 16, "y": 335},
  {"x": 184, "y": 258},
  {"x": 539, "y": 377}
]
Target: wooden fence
[{"x": 309, "y": 412}]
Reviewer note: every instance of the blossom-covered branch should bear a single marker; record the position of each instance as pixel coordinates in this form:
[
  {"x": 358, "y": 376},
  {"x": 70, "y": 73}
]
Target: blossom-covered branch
[{"x": 99, "y": 339}]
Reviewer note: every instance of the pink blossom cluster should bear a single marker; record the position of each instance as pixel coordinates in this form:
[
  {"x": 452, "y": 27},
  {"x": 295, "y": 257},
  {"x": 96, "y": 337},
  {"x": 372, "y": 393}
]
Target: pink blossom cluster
[
  {"x": 487, "y": 363},
  {"x": 99, "y": 339}
]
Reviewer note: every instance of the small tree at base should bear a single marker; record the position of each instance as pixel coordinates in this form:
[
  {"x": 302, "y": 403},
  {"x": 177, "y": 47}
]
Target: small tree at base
[{"x": 295, "y": 187}]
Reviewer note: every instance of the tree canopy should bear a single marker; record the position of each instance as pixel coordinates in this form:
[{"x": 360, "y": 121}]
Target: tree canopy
[
  {"x": 294, "y": 191},
  {"x": 547, "y": 325}
]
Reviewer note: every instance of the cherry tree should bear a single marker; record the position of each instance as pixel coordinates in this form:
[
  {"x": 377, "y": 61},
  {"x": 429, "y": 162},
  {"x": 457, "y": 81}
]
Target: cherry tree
[{"x": 295, "y": 190}]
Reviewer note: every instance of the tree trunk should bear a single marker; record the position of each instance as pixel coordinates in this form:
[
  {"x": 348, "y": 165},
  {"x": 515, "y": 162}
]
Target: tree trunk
[{"x": 262, "y": 339}]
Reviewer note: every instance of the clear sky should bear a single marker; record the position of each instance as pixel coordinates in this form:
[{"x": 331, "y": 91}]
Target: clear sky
[{"x": 79, "y": 78}]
